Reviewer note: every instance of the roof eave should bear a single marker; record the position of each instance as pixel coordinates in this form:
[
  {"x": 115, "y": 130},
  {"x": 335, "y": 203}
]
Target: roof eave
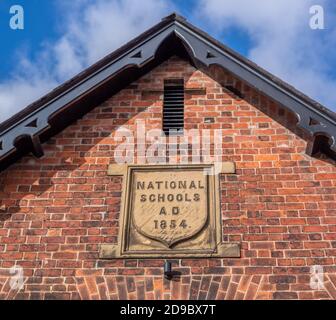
[{"x": 199, "y": 45}]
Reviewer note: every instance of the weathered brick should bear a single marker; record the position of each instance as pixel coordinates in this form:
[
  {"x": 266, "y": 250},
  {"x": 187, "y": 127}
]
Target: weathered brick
[{"x": 280, "y": 204}]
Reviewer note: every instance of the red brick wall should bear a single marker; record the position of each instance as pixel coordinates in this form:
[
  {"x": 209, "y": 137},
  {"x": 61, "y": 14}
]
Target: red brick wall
[{"x": 56, "y": 211}]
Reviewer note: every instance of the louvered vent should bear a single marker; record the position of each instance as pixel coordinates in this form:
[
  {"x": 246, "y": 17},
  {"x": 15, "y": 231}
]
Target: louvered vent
[{"x": 173, "y": 107}]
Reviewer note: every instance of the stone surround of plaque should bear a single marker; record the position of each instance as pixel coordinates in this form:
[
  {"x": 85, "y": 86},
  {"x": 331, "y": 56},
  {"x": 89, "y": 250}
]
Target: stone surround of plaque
[{"x": 170, "y": 211}]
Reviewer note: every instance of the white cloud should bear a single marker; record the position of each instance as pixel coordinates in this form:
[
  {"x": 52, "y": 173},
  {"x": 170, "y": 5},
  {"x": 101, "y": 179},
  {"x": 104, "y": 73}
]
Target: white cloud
[
  {"x": 27, "y": 84},
  {"x": 91, "y": 29},
  {"x": 283, "y": 42}
]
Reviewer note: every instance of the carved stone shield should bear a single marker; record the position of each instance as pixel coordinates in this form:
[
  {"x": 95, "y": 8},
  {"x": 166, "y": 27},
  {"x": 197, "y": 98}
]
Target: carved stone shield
[{"x": 169, "y": 206}]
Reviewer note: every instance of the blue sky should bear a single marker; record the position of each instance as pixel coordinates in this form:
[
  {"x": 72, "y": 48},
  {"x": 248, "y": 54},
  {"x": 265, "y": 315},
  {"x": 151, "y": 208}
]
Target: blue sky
[
  {"x": 40, "y": 25},
  {"x": 62, "y": 37}
]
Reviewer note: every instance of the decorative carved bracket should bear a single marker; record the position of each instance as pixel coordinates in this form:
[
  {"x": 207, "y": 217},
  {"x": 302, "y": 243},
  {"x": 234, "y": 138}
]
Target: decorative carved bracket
[{"x": 203, "y": 51}]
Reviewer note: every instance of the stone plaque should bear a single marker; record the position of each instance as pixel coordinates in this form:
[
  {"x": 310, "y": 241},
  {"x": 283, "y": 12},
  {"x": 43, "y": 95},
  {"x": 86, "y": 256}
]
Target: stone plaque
[
  {"x": 170, "y": 211},
  {"x": 169, "y": 207}
]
